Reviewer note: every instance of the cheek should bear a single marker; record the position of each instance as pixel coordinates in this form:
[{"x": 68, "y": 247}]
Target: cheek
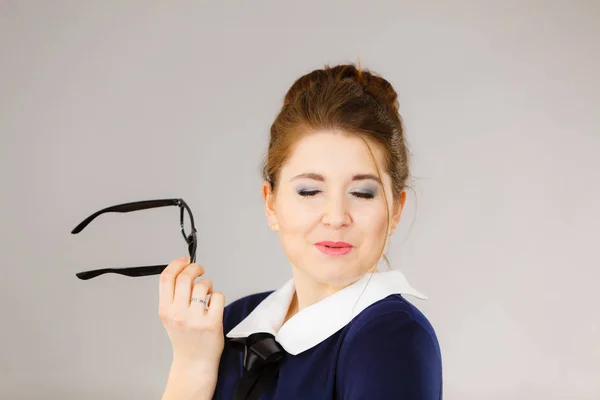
[
  {"x": 373, "y": 229},
  {"x": 294, "y": 215},
  {"x": 371, "y": 215}
]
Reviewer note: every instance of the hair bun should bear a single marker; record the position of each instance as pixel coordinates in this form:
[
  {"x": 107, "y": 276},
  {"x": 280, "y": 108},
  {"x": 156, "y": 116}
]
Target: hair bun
[{"x": 372, "y": 83}]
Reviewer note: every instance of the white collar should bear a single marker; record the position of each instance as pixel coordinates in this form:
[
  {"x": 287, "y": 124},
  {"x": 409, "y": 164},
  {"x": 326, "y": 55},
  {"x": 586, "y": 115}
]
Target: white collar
[{"x": 317, "y": 322}]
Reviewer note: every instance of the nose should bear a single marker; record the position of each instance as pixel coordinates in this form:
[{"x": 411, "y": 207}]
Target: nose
[{"x": 336, "y": 214}]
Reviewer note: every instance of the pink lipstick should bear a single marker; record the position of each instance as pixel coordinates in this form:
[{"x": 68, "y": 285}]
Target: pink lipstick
[{"x": 334, "y": 248}]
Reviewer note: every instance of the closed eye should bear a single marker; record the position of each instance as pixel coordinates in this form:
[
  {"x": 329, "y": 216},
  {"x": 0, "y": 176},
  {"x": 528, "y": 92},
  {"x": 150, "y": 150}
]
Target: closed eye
[
  {"x": 308, "y": 193},
  {"x": 311, "y": 193},
  {"x": 364, "y": 195}
]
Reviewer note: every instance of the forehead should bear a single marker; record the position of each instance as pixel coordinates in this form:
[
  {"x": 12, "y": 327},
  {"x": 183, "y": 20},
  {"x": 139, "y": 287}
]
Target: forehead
[{"x": 330, "y": 151}]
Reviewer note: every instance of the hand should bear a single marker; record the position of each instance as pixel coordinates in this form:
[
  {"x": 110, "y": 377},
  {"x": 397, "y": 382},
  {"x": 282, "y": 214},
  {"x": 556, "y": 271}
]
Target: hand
[{"x": 196, "y": 333}]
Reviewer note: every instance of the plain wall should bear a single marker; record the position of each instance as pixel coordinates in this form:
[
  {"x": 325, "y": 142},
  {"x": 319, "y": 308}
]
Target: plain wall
[{"x": 104, "y": 103}]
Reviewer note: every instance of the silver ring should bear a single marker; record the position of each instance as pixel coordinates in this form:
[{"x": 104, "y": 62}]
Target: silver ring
[{"x": 196, "y": 299}]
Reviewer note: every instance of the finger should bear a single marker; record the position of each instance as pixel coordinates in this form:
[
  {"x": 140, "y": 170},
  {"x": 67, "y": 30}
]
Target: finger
[
  {"x": 216, "y": 305},
  {"x": 201, "y": 289},
  {"x": 166, "y": 287},
  {"x": 183, "y": 285}
]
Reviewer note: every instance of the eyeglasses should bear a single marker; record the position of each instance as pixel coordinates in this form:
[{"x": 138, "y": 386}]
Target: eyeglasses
[{"x": 186, "y": 222}]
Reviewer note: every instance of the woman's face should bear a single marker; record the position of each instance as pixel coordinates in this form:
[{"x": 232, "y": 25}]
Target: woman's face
[{"x": 328, "y": 190}]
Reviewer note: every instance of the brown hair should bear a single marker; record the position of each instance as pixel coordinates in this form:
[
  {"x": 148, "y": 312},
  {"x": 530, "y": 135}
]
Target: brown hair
[{"x": 350, "y": 100}]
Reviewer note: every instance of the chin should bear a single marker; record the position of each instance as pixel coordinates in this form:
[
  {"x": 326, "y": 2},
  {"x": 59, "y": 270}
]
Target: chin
[
  {"x": 334, "y": 271},
  {"x": 334, "y": 274}
]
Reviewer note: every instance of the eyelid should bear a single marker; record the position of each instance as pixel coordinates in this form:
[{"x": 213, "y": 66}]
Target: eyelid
[
  {"x": 371, "y": 193},
  {"x": 366, "y": 190},
  {"x": 367, "y": 194},
  {"x": 362, "y": 190}
]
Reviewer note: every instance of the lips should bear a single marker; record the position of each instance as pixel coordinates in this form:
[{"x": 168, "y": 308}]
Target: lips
[
  {"x": 334, "y": 245},
  {"x": 334, "y": 248}
]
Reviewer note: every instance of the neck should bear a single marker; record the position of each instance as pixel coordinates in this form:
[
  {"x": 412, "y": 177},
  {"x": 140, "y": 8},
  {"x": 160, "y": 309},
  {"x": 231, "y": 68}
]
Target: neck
[{"x": 308, "y": 291}]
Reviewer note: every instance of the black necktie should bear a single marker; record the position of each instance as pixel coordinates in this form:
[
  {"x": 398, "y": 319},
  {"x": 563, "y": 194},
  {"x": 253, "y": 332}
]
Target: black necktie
[{"x": 262, "y": 358}]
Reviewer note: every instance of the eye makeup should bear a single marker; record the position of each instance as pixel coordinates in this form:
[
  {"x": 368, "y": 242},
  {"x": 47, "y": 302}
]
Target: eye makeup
[
  {"x": 307, "y": 193},
  {"x": 363, "y": 194}
]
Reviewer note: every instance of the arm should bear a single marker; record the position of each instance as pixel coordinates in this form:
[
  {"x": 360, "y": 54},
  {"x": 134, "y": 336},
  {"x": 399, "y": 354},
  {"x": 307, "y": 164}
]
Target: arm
[
  {"x": 186, "y": 382},
  {"x": 390, "y": 357}
]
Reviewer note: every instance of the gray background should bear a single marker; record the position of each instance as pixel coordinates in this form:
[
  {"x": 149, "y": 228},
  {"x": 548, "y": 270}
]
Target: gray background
[{"x": 109, "y": 102}]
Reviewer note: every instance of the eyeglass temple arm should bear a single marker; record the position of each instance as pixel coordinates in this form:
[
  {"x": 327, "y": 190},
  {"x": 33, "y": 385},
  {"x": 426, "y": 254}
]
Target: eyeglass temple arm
[
  {"x": 127, "y": 207},
  {"x": 129, "y": 271}
]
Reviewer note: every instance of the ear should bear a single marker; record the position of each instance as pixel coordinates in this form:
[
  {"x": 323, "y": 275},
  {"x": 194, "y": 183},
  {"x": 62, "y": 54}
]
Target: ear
[
  {"x": 397, "y": 212},
  {"x": 269, "y": 200}
]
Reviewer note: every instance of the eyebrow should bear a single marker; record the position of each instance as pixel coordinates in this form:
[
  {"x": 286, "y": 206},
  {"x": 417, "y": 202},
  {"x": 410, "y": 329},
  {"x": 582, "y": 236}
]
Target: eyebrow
[{"x": 321, "y": 178}]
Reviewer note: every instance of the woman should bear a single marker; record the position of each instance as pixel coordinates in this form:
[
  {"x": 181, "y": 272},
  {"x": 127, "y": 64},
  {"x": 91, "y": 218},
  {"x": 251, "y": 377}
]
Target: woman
[{"x": 334, "y": 189}]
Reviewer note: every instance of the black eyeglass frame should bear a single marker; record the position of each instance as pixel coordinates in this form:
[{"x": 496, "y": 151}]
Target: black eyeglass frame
[{"x": 190, "y": 239}]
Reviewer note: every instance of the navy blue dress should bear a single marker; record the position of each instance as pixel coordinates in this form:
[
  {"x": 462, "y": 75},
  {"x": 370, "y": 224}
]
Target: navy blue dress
[{"x": 387, "y": 349}]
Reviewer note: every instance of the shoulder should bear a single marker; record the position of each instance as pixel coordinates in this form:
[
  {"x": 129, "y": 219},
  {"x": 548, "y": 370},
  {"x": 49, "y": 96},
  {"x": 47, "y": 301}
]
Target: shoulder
[
  {"x": 390, "y": 349},
  {"x": 388, "y": 316},
  {"x": 239, "y": 309}
]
